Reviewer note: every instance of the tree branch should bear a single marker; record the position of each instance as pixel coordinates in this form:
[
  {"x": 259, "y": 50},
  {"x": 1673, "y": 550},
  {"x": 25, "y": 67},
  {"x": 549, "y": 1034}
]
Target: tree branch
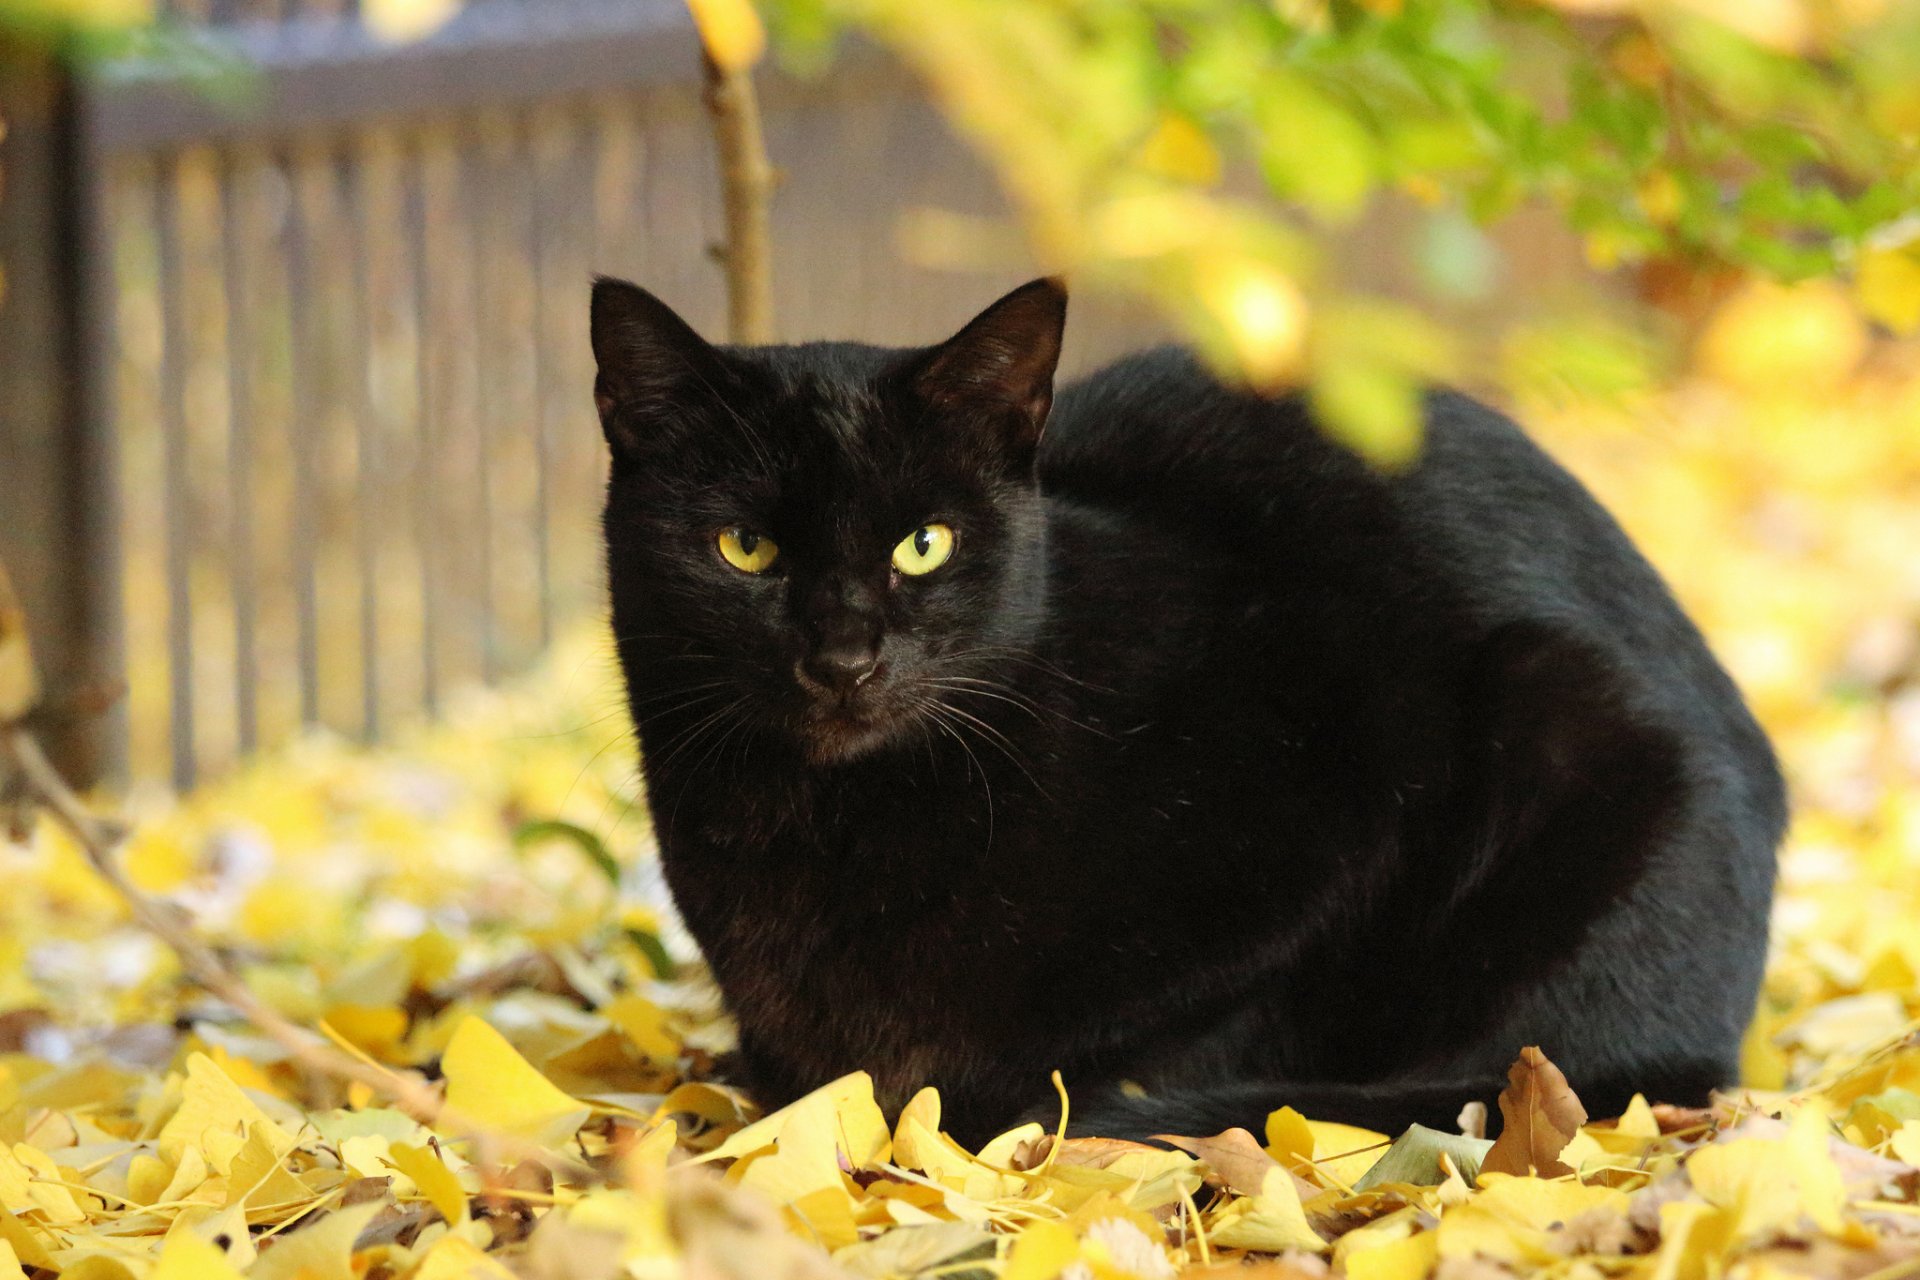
[{"x": 746, "y": 189}]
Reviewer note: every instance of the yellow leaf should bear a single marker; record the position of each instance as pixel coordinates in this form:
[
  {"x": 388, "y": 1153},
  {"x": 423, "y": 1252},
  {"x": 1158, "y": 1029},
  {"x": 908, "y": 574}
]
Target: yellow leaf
[
  {"x": 10, "y": 1265},
  {"x": 1804, "y": 339},
  {"x": 858, "y": 1122},
  {"x": 645, "y": 1023},
  {"x": 1180, "y": 149},
  {"x": 25, "y": 1245},
  {"x": 1769, "y": 1184},
  {"x": 216, "y": 1116},
  {"x": 803, "y": 1172},
  {"x": 258, "y": 1175},
  {"x": 1409, "y": 1258},
  {"x": 30, "y": 1180},
  {"x": 403, "y": 20},
  {"x": 1271, "y": 1221},
  {"x": 1512, "y": 1218},
  {"x": 457, "y": 1258},
  {"x": 1263, "y": 315},
  {"x": 824, "y": 1216},
  {"x": 1288, "y": 1135},
  {"x": 372, "y": 1028},
  {"x": 1888, "y": 287},
  {"x": 1694, "y": 1239},
  {"x": 436, "y": 1182},
  {"x": 186, "y": 1256},
  {"x": 731, "y": 32},
  {"x": 323, "y": 1251},
  {"x": 1343, "y": 1152},
  {"x": 1637, "y": 1120},
  {"x": 489, "y": 1083},
  {"x": 1041, "y": 1252}
]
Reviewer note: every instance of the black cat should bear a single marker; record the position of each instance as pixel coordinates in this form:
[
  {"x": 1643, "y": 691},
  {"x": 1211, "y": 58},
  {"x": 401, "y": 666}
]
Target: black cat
[{"x": 1170, "y": 746}]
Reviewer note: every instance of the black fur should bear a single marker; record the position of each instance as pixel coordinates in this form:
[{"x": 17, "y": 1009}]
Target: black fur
[{"x": 1214, "y": 760}]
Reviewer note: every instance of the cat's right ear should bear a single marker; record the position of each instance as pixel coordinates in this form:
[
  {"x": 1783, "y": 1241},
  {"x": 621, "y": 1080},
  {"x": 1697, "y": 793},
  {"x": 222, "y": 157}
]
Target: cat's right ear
[{"x": 649, "y": 361}]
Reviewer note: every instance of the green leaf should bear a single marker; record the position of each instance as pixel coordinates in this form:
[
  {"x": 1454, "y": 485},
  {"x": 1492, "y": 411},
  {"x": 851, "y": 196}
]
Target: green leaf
[
  {"x": 1414, "y": 1158},
  {"x": 541, "y": 829},
  {"x": 650, "y": 946}
]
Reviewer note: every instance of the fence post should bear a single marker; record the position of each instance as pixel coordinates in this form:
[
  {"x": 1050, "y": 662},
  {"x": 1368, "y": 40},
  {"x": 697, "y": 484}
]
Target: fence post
[{"x": 59, "y": 501}]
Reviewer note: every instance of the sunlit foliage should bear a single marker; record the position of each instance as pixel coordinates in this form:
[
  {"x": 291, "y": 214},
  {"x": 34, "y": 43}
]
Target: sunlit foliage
[{"x": 1201, "y": 151}]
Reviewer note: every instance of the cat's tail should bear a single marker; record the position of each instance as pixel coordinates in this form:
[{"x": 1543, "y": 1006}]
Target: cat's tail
[{"x": 1386, "y": 1107}]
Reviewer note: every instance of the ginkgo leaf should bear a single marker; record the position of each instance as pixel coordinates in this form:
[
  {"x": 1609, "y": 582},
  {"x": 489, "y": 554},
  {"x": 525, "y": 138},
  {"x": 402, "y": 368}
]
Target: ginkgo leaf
[
  {"x": 435, "y": 1181},
  {"x": 849, "y": 1099},
  {"x": 1540, "y": 1113},
  {"x": 323, "y": 1251},
  {"x": 1041, "y": 1252},
  {"x": 25, "y": 1244},
  {"x": 1414, "y": 1159},
  {"x": 457, "y": 1258},
  {"x": 1512, "y": 1218},
  {"x": 215, "y": 1116},
  {"x": 1272, "y": 1221},
  {"x": 491, "y": 1084},
  {"x": 1769, "y": 1184},
  {"x": 186, "y": 1256}
]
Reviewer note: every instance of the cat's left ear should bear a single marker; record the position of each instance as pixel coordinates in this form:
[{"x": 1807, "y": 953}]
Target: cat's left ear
[
  {"x": 1004, "y": 359},
  {"x": 650, "y": 362}
]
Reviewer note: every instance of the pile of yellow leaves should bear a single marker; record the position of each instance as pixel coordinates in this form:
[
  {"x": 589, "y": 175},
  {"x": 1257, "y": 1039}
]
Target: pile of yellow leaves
[{"x": 474, "y": 908}]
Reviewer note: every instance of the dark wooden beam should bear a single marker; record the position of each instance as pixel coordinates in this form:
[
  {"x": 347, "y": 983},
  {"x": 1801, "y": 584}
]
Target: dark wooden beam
[{"x": 59, "y": 508}]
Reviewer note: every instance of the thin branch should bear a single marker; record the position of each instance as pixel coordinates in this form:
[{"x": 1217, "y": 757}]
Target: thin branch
[
  {"x": 101, "y": 840},
  {"x": 746, "y": 190}
]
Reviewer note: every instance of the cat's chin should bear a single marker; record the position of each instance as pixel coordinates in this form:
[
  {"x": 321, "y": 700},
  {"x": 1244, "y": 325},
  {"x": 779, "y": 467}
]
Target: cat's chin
[{"x": 840, "y": 739}]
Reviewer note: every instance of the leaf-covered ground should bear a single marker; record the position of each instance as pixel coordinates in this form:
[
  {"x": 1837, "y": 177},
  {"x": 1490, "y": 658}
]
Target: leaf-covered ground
[{"x": 475, "y": 906}]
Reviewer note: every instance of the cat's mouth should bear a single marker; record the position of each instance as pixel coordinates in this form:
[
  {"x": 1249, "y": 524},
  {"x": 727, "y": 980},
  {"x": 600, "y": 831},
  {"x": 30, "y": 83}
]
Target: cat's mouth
[
  {"x": 838, "y": 732},
  {"x": 838, "y": 726}
]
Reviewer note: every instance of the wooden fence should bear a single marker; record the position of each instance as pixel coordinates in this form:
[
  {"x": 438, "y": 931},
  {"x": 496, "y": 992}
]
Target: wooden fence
[{"x": 297, "y": 418}]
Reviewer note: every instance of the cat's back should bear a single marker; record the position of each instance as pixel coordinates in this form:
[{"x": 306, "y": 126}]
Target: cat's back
[{"x": 1483, "y": 533}]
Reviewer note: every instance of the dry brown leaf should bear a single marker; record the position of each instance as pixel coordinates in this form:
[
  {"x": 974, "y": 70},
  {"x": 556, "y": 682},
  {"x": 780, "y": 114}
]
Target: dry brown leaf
[
  {"x": 1236, "y": 1160},
  {"x": 1540, "y": 1114}
]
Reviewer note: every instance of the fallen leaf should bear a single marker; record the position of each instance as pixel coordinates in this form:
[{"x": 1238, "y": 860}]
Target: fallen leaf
[
  {"x": 1414, "y": 1159},
  {"x": 1235, "y": 1159},
  {"x": 1540, "y": 1114},
  {"x": 489, "y": 1083}
]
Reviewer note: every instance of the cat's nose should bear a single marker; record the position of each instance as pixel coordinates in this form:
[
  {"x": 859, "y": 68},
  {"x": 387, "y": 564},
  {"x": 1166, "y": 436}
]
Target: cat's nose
[{"x": 842, "y": 668}]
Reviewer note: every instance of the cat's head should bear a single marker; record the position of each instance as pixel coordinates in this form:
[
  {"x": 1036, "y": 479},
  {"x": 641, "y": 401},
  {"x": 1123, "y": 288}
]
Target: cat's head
[{"x": 829, "y": 545}]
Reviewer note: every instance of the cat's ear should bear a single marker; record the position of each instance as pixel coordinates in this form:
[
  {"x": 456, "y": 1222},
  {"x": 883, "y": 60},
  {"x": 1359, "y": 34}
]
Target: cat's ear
[
  {"x": 1004, "y": 359},
  {"x": 649, "y": 359}
]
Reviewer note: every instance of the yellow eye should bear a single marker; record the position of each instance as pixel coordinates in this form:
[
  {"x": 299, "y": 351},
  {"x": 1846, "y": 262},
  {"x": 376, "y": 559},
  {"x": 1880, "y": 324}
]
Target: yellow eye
[
  {"x": 923, "y": 550},
  {"x": 747, "y": 551}
]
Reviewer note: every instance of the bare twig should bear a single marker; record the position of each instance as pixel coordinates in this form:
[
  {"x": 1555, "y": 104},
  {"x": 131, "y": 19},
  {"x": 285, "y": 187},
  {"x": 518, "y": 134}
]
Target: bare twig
[
  {"x": 101, "y": 839},
  {"x": 746, "y": 188}
]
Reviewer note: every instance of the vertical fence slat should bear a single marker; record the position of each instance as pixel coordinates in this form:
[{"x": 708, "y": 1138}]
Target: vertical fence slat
[
  {"x": 240, "y": 321},
  {"x": 539, "y": 235},
  {"x": 424, "y": 489},
  {"x": 176, "y": 477},
  {"x": 303, "y": 421},
  {"x": 476, "y": 185},
  {"x": 369, "y": 463}
]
